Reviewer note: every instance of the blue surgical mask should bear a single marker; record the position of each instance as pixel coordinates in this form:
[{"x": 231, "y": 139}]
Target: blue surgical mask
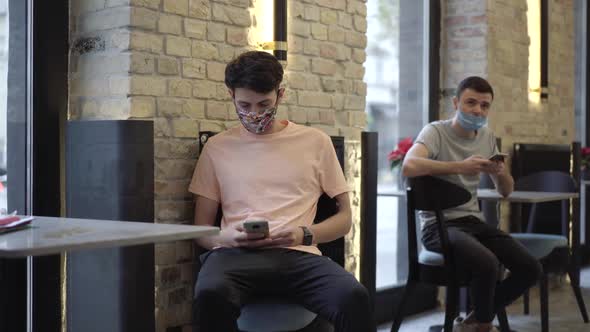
[{"x": 469, "y": 121}]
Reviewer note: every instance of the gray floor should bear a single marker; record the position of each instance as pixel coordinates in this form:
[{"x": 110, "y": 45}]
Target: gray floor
[{"x": 564, "y": 315}]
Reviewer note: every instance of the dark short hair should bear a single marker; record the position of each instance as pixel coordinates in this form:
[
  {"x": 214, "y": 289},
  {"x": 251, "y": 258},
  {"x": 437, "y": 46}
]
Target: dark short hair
[
  {"x": 475, "y": 83},
  {"x": 254, "y": 70}
]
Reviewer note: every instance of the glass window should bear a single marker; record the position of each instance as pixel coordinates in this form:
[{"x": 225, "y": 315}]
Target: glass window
[
  {"x": 14, "y": 87},
  {"x": 581, "y": 98},
  {"x": 397, "y": 100},
  {"x": 3, "y": 94}
]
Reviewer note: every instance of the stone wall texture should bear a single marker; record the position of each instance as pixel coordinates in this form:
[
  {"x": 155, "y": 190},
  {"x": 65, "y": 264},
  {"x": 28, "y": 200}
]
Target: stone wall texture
[{"x": 164, "y": 61}]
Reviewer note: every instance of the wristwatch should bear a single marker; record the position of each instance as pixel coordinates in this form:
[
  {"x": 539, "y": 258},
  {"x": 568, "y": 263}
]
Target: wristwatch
[{"x": 307, "y": 236}]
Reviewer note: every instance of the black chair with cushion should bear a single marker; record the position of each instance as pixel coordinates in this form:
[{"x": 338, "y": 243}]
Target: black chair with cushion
[
  {"x": 553, "y": 250},
  {"x": 274, "y": 314},
  {"x": 429, "y": 193}
]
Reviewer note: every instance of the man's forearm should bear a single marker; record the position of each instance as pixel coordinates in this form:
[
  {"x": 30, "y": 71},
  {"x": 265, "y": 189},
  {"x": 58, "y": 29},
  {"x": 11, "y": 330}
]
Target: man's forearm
[
  {"x": 208, "y": 242},
  {"x": 418, "y": 166},
  {"x": 332, "y": 228},
  {"x": 504, "y": 183}
]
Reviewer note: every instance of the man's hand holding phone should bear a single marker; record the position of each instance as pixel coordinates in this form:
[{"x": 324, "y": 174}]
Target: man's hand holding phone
[
  {"x": 499, "y": 157},
  {"x": 498, "y": 165},
  {"x": 250, "y": 234}
]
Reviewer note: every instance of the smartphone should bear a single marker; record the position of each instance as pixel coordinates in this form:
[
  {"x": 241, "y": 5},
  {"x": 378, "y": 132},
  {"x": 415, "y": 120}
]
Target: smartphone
[
  {"x": 256, "y": 226},
  {"x": 499, "y": 157}
]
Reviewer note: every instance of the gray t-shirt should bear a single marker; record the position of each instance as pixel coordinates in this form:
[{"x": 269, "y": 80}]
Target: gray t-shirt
[{"x": 444, "y": 144}]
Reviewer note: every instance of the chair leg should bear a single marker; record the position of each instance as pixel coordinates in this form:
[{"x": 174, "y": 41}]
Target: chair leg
[
  {"x": 503, "y": 320},
  {"x": 525, "y": 302},
  {"x": 451, "y": 306},
  {"x": 578, "y": 293},
  {"x": 399, "y": 314},
  {"x": 544, "y": 296}
]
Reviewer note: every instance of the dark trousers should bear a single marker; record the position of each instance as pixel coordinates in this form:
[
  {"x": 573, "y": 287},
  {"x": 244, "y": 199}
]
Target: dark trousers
[
  {"x": 478, "y": 250},
  {"x": 230, "y": 277}
]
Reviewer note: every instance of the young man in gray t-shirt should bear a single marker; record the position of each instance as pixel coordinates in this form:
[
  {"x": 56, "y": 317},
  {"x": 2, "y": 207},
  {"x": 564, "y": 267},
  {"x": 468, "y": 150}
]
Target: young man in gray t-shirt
[{"x": 458, "y": 150}]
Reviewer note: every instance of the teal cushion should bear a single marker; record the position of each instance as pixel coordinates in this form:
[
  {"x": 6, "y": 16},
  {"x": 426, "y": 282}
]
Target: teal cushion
[
  {"x": 272, "y": 314},
  {"x": 540, "y": 245},
  {"x": 432, "y": 258}
]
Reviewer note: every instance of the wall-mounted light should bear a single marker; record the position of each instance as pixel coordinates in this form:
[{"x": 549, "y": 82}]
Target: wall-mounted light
[
  {"x": 271, "y": 27},
  {"x": 537, "y": 22}
]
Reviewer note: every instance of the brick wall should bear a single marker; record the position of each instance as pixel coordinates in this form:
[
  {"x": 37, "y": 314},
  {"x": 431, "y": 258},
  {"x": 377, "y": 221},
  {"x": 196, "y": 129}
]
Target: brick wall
[
  {"x": 164, "y": 61},
  {"x": 490, "y": 38}
]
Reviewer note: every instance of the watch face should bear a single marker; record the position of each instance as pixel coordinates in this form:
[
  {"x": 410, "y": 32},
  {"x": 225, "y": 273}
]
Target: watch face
[{"x": 307, "y": 236}]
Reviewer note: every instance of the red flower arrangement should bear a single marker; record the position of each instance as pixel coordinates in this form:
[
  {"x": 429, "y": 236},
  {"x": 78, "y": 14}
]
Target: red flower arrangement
[
  {"x": 396, "y": 156},
  {"x": 585, "y": 156}
]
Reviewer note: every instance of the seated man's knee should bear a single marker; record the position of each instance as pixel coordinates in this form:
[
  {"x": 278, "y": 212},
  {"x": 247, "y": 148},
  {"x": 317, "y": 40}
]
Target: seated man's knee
[
  {"x": 529, "y": 270},
  {"x": 534, "y": 270},
  {"x": 353, "y": 297},
  {"x": 490, "y": 266},
  {"x": 212, "y": 290}
]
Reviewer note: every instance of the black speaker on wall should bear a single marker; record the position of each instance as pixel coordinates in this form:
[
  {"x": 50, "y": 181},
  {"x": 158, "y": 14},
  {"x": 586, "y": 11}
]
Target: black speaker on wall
[{"x": 110, "y": 176}]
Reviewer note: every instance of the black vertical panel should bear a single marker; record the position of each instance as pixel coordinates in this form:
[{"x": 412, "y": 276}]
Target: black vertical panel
[
  {"x": 544, "y": 48},
  {"x": 110, "y": 176},
  {"x": 13, "y": 289},
  {"x": 280, "y": 27},
  {"x": 50, "y": 102},
  {"x": 369, "y": 162}
]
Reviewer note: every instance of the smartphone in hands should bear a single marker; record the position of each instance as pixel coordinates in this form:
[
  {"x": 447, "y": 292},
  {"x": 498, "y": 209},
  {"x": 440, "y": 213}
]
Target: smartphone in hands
[
  {"x": 499, "y": 157},
  {"x": 256, "y": 226}
]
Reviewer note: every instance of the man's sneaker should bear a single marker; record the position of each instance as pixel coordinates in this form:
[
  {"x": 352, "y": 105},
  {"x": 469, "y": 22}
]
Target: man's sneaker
[{"x": 460, "y": 326}]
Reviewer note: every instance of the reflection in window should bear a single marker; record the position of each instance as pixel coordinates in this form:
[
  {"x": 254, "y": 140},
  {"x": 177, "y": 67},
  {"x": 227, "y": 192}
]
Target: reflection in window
[
  {"x": 3, "y": 94},
  {"x": 395, "y": 77}
]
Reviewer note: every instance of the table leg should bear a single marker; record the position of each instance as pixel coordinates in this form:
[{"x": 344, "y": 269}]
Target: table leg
[
  {"x": 575, "y": 241},
  {"x": 516, "y": 218},
  {"x": 583, "y": 212},
  {"x": 29, "y": 294}
]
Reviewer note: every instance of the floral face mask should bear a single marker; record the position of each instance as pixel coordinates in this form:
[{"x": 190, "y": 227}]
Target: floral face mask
[{"x": 256, "y": 122}]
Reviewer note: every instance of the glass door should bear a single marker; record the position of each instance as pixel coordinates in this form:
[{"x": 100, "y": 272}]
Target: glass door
[{"x": 401, "y": 67}]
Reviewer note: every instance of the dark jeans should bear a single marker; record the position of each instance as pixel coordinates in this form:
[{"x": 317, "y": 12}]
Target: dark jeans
[
  {"x": 478, "y": 250},
  {"x": 230, "y": 277}
]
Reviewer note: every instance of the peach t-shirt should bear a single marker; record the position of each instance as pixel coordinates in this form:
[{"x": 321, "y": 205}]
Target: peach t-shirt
[{"x": 276, "y": 177}]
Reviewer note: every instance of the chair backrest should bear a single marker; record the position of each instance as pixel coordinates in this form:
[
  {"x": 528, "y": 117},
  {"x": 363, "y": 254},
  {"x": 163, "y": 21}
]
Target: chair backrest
[
  {"x": 326, "y": 208},
  {"x": 543, "y": 216},
  {"x": 529, "y": 158},
  {"x": 428, "y": 193}
]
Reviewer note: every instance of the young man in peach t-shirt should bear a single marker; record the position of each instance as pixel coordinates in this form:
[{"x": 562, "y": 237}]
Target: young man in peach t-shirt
[{"x": 271, "y": 170}]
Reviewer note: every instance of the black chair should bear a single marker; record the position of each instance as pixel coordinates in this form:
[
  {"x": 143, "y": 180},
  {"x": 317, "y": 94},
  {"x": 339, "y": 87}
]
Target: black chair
[
  {"x": 429, "y": 193},
  {"x": 554, "y": 251},
  {"x": 277, "y": 313}
]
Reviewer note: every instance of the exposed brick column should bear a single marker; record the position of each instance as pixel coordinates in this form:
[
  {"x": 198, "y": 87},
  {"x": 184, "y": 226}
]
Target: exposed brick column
[{"x": 490, "y": 38}]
